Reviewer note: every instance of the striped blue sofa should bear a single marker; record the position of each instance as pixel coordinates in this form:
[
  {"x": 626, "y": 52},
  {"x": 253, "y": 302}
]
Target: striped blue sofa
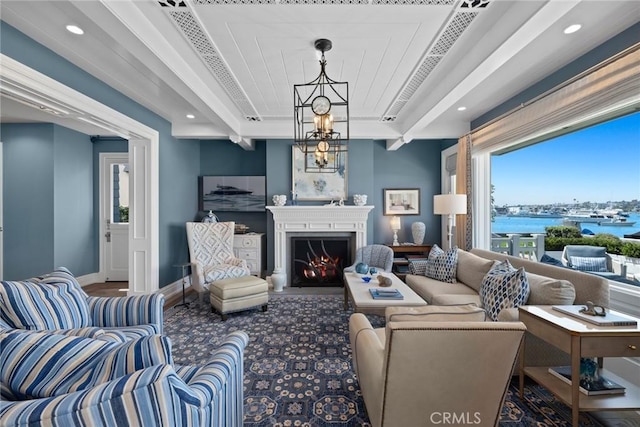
[
  {"x": 54, "y": 380},
  {"x": 57, "y": 302}
]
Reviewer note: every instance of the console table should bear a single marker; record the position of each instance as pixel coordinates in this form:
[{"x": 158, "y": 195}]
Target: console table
[{"x": 400, "y": 261}]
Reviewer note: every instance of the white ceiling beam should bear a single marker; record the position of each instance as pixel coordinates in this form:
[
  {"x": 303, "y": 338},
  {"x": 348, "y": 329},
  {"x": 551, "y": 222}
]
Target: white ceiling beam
[
  {"x": 394, "y": 144},
  {"x": 150, "y": 35},
  {"x": 546, "y": 17},
  {"x": 244, "y": 143}
]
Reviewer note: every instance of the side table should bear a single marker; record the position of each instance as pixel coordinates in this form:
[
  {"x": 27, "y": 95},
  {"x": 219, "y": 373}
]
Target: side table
[
  {"x": 401, "y": 253},
  {"x": 580, "y": 339},
  {"x": 184, "y": 270}
]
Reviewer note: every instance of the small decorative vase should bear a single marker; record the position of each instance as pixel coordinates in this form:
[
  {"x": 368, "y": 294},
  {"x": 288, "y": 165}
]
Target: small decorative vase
[
  {"x": 359, "y": 199},
  {"x": 418, "y": 230},
  {"x": 278, "y": 277},
  {"x": 279, "y": 199}
]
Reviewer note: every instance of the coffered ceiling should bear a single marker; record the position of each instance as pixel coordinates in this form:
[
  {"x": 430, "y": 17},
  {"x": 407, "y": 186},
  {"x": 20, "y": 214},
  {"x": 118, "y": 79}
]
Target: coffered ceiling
[{"x": 410, "y": 64}]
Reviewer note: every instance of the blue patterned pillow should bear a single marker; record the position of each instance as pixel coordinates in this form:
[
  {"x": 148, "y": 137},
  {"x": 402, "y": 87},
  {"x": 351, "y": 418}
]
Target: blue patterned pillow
[
  {"x": 53, "y": 301},
  {"x": 584, "y": 263},
  {"x": 503, "y": 287},
  {"x": 442, "y": 265},
  {"x": 418, "y": 267}
]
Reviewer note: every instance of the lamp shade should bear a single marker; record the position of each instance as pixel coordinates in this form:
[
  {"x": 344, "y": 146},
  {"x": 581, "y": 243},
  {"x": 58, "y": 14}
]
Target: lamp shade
[
  {"x": 395, "y": 223},
  {"x": 445, "y": 204}
]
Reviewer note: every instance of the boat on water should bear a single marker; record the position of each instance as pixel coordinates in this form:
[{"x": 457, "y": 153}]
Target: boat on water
[
  {"x": 618, "y": 221},
  {"x": 592, "y": 217},
  {"x": 228, "y": 190}
]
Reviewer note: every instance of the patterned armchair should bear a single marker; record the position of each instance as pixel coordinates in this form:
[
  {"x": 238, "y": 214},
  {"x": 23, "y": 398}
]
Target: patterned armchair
[
  {"x": 56, "y": 302},
  {"x": 379, "y": 256},
  {"x": 97, "y": 383},
  {"x": 211, "y": 253}
]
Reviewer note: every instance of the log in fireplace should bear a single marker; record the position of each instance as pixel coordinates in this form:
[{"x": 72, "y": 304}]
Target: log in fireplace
[{"x": 319, "y": 261}]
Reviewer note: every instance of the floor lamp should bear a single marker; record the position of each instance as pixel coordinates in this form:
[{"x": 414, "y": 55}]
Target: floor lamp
[{"x": 450, "y": 205}]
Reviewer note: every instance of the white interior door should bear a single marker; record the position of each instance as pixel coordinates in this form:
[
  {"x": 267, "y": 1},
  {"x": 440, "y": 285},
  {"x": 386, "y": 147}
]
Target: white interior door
[{"x": 114, "y": 172}]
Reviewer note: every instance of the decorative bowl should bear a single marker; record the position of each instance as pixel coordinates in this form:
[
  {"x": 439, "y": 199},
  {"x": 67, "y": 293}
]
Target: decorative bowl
[
  {"x": 366, "y": 279},
  {"x": 362, "y": 268}
]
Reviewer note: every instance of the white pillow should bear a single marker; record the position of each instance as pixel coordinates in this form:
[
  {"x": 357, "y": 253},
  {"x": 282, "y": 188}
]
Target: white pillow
[{"x": 585, "y": 263}]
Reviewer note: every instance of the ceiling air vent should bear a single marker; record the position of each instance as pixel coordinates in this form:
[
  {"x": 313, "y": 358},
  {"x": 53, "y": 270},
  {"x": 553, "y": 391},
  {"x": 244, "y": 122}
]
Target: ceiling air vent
[
  {"x": 414, "y": 2},
  {"x": 223, "y": 2},
  {"x": 474, "y": 4},
  {"x": 194, "y": 33},
  {"x": 172, "y": 3}
]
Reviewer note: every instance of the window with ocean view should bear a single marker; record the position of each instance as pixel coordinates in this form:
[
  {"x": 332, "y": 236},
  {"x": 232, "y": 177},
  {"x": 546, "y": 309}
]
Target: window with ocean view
[{"x": 588, "y": 179}]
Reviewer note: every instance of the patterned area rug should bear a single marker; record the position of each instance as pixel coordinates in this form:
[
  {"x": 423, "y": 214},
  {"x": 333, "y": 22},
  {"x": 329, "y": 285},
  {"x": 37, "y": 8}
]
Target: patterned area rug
[{"x": 298, "y": 364}]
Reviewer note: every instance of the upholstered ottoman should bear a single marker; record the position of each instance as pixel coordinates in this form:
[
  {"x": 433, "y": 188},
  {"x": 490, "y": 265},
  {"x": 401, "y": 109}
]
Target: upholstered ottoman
[{"x": 238, "y": 293}]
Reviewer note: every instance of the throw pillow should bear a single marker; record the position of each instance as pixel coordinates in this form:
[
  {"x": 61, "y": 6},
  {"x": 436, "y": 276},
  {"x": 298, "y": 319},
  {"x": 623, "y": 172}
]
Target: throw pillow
[
  {"x": 503, "y": 287},
  {"x": 548, "y": 291},
  {"x": 54, "y": 301},
  {"x": 589, "y": 263},
  {"x": 442, "y": 265},
  {"x": 551, "y": 260},
  {"x": 418, "y": 267},
  {"x": 471, "y": 269}
]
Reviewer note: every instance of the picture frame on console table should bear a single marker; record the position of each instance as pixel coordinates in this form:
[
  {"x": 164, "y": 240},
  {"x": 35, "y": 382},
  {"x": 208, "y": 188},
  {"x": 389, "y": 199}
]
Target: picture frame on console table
[
  {"x": 401, "y": 201},
  {"x": 318, "y": 185}
]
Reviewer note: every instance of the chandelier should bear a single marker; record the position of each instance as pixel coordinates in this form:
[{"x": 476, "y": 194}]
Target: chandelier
[{"x": 321, "y": 118}]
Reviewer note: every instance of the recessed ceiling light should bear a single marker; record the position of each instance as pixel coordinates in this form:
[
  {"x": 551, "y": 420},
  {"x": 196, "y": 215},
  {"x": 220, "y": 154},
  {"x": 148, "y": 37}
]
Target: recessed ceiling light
[
  {"x": 75, "y": 29},
  {"x": 190, "y": 116},
  {"x": 572, "y": 28},
  {"x": 462, "y": 108}
]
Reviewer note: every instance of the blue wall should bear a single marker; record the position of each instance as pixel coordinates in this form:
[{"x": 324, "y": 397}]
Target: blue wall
[
  {"x": 48, "y": 200},
  {"x": 73, "y": 233}
]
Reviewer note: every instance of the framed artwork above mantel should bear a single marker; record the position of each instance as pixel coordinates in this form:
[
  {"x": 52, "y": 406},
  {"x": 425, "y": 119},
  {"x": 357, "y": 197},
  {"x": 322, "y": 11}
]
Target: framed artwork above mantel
[
  {"x": 318, "y": 185},
  {"x": 401, "y": 201}
]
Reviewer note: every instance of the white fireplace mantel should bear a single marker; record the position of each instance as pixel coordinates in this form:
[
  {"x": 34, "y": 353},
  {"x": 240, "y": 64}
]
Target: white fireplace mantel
[{"x": 315, "y": 219}]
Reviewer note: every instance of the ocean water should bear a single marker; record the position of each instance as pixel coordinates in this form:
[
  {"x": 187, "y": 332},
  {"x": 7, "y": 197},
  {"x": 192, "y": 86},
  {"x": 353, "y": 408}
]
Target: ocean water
[
  {"x": 235, "y": 202},
  {"x": 513, "y": 224}
]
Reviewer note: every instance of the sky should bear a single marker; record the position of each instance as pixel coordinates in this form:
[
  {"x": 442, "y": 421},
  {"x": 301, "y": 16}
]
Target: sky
[{"x": 597, "y": 164}]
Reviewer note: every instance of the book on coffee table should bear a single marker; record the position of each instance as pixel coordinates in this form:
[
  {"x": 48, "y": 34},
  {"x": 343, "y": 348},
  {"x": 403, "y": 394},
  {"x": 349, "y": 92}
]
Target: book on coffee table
[
  {"x": 377, "y": 293},
  {"x": 600, "y": 386}
]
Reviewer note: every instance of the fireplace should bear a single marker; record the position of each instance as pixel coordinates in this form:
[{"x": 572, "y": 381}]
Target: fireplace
[
  {"x": 318, "y": 222},
  {"x": 319, "y": 260}
]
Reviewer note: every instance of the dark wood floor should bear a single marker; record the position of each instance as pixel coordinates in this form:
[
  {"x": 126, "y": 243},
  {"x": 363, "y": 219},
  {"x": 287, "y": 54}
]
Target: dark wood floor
[{"x": 119, "y": 289}]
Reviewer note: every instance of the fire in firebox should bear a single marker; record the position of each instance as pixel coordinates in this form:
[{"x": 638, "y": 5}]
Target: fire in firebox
[{"x": 319, "y": 262}]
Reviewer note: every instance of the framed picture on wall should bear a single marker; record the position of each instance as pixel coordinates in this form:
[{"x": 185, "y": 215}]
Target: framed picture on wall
[
  {"x": 232, "y": 193},
  {"x": 401, "y": 201},
  {"x": 318, "y": 185}
]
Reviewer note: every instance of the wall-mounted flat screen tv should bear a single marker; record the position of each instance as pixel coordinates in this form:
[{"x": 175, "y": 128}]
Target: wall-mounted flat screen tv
[{"x": 232, "y": 193}]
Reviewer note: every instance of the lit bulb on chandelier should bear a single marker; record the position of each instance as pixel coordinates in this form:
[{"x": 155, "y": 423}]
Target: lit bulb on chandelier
[
  {"x": 323, "y": 125},
  {"x": 322, "y": 159}
]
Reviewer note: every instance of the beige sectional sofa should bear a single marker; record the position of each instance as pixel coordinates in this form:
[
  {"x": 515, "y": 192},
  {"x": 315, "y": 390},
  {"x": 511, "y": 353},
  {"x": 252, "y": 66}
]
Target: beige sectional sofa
[{"x": 550, "y": 285}]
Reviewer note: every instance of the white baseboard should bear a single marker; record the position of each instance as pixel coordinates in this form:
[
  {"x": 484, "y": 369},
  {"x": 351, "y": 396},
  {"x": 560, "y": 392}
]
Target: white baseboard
[
  {"x": 175, "y": 288},
  {"x": 89, "y": 279}
]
